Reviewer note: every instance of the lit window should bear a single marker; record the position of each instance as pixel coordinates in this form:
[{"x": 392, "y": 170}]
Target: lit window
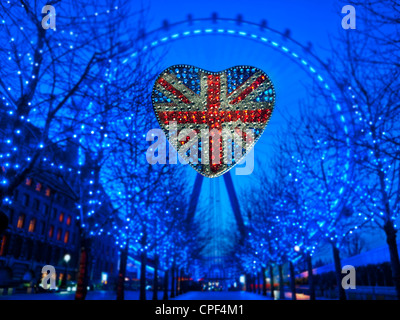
[
  {"x": 66, "y": 237},
  {"x": 38, "y": 186},
  {"x": 21, "y": 221},
  {"x": 28, "y": 181},
  {"x": 59, "y": 231},
  {"x": 32, "y": 225},
  {"x": 48, "y": 192},
  {"x": 61, "y": 217},
  {"x": 51, "y": 231},
  {"x": 68, "y": 220}
]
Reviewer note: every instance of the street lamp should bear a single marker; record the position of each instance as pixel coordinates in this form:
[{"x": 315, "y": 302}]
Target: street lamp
[{"x": 67, "y": 257}]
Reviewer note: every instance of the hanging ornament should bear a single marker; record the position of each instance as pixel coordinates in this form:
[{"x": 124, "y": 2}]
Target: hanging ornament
[{"x": 213, "y": 119}]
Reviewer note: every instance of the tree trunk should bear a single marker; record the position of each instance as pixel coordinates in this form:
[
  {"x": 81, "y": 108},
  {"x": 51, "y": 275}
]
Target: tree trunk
[
  {"x": 271, "y": 272},
  {"x": 264, "y": 282},
  {"x": 281, "y": 284},
  {"x": 258, "y": 283},
  {"x": 165, "y": 297},
  {"x": 143, "y": 262},
  {"x": 181, "y": 282},
  {"x": 292, "y": 281},
  {"x": 311, "y": 283},
  {"x": 177, "y": 282},
  {"x": 250, "y": 278},
  {"x": 82, "y": 283},
  {"x": 338, "y": 272},
  {"x": 394, "y": 254},
  {"x": 254, "y": 283},
  {"x": 155, "y": 282},
  {"x": 173, "y": 280},
  {"x": 122, "y": 274}
]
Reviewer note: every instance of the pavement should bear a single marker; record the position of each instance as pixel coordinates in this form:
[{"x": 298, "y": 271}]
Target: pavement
[
  {"x": 91, "y": 295},
  {"x": 134, "y": 295},
  {"x": 221, "y": 295}
]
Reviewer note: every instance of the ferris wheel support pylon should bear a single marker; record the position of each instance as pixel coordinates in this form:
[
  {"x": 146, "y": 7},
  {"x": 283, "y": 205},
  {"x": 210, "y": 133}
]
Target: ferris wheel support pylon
[{"x": 194, "y": 199}]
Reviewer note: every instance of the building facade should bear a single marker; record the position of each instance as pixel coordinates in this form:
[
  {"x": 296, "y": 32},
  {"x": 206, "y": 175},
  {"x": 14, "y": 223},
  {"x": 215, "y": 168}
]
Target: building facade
[{"x": 44, "y": 230}]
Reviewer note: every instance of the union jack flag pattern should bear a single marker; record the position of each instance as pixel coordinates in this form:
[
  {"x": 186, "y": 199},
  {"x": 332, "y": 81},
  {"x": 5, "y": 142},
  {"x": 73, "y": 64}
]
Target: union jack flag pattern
[{"x": 238, "y": 100}]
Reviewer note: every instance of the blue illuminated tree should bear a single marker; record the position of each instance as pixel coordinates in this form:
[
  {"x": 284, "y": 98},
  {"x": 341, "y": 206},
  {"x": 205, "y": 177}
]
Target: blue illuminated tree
[
  {"x": 322, "y": 166},
  {"x": 176, "y": 243},
  {"x": 171, "y": 241},
  {"x": 270, "y": 238},
  {"x": 309, "y": 194},
  {"x": 94, "y": 132},
  {"x": 43, "y": 71},
  {"x": 146, "y": 194},
  {"x": 131, "y": 184},
  {"x": 367, "y": 69},
  {"x": 56, "y": 98}
]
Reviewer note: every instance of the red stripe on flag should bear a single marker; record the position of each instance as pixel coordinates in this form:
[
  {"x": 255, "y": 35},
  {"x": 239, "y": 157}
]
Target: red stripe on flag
[
  {"x": 201, "y": 117},
  {"x": 249, "y": 89},
  {"x": 214, "y": 119}
]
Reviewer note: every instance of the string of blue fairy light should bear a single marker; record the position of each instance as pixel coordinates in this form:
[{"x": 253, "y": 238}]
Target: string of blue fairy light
[
  {"x": 91, "y": 192},
  {"x": 232, "y": 32}
]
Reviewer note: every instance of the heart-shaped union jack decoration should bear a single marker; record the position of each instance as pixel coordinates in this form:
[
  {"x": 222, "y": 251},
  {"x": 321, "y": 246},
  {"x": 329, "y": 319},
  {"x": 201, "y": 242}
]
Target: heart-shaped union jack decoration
[{"x": 213, "y": 118}]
